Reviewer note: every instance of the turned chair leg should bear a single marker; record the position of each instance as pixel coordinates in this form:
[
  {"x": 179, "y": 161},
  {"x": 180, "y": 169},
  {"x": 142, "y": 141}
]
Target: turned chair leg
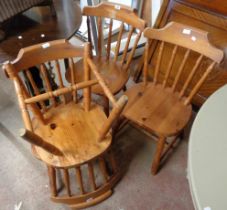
[
  {"x": 158, "y": 154},
  {"x": 106, "y": 105}
]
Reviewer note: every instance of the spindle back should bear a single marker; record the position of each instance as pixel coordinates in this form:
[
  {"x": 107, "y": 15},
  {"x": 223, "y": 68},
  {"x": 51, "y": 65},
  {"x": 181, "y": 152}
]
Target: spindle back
[
  {"x": 52, "y": 55},
  {"x": 128, "y": 18},
  {"x": 184, "y": 42}
]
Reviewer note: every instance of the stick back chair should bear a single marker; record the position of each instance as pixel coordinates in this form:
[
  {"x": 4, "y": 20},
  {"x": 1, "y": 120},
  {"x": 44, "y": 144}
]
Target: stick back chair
[
  {"x": 66, "y": 133},
  {"x": 115, "y": 69},
  {"x": 161, "y": 109}
]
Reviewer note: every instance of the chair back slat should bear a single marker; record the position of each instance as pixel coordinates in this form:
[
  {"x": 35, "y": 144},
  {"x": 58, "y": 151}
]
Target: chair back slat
[
  {"x": 34, "y": 87},
  {"x": 24, "y": 110},
  {"x": 43, "y": 71},
  {"x": 180, "y": 70},
  {"x": 58, "y": 71},
  {"x": 73, "y": 79},
  {"x": 100, "y": 36},
  {"x": 199, "y": 83},
  {"x": 133, "y": 50},
  {"x": 127, "y": 45},
  {"x": 87, "y": 75},
  {"x": 109, "y": 40},
  {"x": 157, "y": 67},
  {"x": 170, "y": 65},
  {"x": 89, "y": 30},
  {"x": 182, "y": 59},
  {"x": 192, "y": 73},
  {"x": 116, "y": 53},
  {"x": 145, "y": 67}
]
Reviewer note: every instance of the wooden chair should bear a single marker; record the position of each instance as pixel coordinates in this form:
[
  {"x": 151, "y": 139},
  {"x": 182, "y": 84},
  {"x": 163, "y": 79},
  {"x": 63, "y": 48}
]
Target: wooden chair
[
  {"x": 161, "y": 109},
  {"x": 114, "y": 68},
  {"x": 71, "y": 136}
]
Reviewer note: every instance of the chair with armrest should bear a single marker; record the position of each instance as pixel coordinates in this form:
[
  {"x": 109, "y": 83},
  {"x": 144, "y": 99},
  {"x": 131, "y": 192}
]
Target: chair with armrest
[
  {"x": 114, "y": 68},
  {"x": 71, "y": 136},
  {"x": 161, "y": 104}
]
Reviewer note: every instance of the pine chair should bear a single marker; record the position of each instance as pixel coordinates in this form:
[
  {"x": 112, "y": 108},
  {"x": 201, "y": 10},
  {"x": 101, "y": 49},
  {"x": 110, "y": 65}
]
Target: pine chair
[
  {"x": 161, "y": 104},
  {"x": 115, "y": 69},
  {"x": 71, "y": 136}
]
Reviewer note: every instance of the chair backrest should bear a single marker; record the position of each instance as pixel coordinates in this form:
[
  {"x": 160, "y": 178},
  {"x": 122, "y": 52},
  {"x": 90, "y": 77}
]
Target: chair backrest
[
  {"x": 183, "y": 42},
  {"x": 127, "y": 16},
  {"x": 54, "y": 54}
]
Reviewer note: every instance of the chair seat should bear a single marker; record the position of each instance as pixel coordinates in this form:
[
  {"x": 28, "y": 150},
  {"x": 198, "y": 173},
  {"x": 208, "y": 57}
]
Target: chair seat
[
  {"x": 112, "y": 73},
  {"x": 74, "y": 132},
  {"x": 156, "y": 109}
]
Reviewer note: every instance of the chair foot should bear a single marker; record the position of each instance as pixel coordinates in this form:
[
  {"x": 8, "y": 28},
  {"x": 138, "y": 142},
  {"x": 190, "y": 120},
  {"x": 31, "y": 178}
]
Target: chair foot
[{"x": 157, "y": 156}]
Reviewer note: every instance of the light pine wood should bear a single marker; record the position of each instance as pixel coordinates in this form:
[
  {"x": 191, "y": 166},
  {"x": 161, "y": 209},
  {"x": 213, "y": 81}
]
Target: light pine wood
[
  {"x": 91, "y": 176},
  {"x": 206, "y": 16},
  {"x": 67, "y": 134},
  {"x": 80, "y": 180},
  {"x": 114, "y": 69},
  {"x": 52, "y": 180},
  {"x": 67, "y": 181},
  {"x": 164, "y": 108},
  {"x": 112, "y": 74},
  {"x": 38, "y": 141}
]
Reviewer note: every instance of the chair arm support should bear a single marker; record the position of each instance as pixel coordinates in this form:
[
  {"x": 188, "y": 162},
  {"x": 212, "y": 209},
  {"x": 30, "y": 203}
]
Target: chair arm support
[{"x": 38, "y": 141}]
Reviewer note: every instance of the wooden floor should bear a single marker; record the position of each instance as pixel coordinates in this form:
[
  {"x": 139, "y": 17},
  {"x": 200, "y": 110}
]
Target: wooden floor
[{"x": 37, "y": 25}]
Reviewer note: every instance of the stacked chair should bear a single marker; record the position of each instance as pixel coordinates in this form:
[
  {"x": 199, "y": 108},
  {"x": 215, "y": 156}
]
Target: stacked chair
[{"x": 72, "y": 134}]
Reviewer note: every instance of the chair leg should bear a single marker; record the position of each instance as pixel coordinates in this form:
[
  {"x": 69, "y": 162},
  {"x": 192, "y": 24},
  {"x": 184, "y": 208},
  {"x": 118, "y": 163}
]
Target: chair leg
[
  {"x": 158, "y": 154},
  {"x": 106, "y": 105}
]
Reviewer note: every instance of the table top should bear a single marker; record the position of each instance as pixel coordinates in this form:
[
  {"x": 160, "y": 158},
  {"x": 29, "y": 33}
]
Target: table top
[
  {"x": 37, "y": 25},
  {"x": 207, "y": 155}
]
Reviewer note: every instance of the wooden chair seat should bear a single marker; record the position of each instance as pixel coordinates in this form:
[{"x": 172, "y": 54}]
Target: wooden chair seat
[
  {"x": 72, "y": 136},
  {"x": 74, "y": 131},
  {"x": 112, "y": 72},
  {"x": 157, "y": 109}
]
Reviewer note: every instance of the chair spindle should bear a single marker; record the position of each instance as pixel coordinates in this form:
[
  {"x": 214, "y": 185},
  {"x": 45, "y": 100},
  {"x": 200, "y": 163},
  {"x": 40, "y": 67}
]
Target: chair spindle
[
  {"x": 71, "y": 67},
  {"x": 52, "y": 180},
  {"x": 199, "y": 83},
  {"x": 100, "y": 36},
  {"x": 67, "y": 181},
  {"x": 57, "y": 66},
  {"x": 192, "y": 73},
  {"x": 159, "y": 58},
  {"x": 109, "y": 39},
  {"x": 170, "y": 65},
  {"x": 91, "y": 176},
  {"x": 133, "y": 50},
  {"x": 127, "y": 45},
  {"x": 34, "y": 87},
  {"x": 180, "y": 70},
  {"x": 44, "y": 74},
  {"x": 79, "y": 180},
  {"x": 118, "y": 42},
  {"x": 103, "y": 168}
]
